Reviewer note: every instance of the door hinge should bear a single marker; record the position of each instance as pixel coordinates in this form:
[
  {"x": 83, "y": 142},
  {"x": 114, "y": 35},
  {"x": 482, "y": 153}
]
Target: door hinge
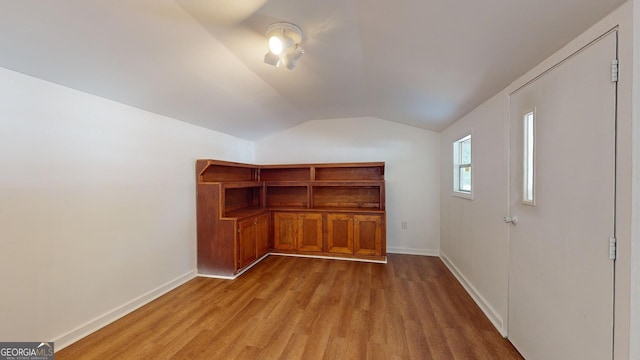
[
  {"x": 614, "y": 70},
  {"x": 612, "y": 248}
]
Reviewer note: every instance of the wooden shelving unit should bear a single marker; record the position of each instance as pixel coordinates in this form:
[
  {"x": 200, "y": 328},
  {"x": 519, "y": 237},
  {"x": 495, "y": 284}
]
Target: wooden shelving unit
[{"x": 246, "y": 211}]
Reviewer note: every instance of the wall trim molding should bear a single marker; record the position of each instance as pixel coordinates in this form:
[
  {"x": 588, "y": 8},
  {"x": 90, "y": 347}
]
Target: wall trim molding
[
  {"x": 276, "y": 253},
  {"x": 487, "y": 309},
  {"x": 233, "y": 277},
  {"x": 410, "y": 251},
  {"x": 103, "y": 320}
]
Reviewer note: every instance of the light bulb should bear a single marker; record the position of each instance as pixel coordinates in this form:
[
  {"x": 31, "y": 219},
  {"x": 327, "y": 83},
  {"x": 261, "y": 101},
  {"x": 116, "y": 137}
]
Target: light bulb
[{"x": 275, "y": 45}]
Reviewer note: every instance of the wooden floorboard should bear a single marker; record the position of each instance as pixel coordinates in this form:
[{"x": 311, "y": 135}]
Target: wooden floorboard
[{"x": 301, "y": 308}]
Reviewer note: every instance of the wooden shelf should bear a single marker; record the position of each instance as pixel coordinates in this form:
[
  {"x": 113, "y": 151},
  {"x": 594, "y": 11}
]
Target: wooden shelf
[
  {"x": 353, "y": 183},
  {"x": 244, "y": 213},
  {"x": 286, "y": 183},
  {"x": 373, "y": 172},
  {"x": 241, "y": 184},
  {"x": 346, "y": 197},
  {"x": 222, "y": 171},
  {"x": 323, "y": 172},
  {"x": 326, "y": 210},
  {"x": 348, "y": 210}
]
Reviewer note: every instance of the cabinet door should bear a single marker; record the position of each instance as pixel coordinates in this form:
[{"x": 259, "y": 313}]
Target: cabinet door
[
  {"x": 309, "y": 232},
  {"x": 367, "y": 234},
  {"x": 284, "y": 231},
  {"x": 246, "y": 242},
  {"x": 340, "y": 233},
  {"x": 262, "y": 235}
]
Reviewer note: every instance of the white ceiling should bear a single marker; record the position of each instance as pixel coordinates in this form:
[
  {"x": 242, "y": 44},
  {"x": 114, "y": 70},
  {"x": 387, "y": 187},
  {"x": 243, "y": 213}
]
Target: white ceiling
[{"x": 421, "y": 63}]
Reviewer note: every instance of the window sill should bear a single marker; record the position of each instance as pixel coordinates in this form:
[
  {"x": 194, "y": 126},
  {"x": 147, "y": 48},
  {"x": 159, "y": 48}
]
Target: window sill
[{"x": 468, "y": 196}]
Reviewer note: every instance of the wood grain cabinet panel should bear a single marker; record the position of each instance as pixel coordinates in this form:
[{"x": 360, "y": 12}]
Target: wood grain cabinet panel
[
  {"x": 309, "y": 232},
  {"x": 253, "y": 239},
  {"x": 355, "y": 234},
  {"x": 340, "y": 233},
  {"x": 367, "y": 231},
  {"x": 262, "y": 235},
  {"x": 247, "y": 230},
  {"x": 297, "y": 231},
  {"x": 284, "y": 231}
]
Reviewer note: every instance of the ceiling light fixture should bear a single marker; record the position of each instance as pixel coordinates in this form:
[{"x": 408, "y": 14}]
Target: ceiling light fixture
[{"x": 285, "y": 41}]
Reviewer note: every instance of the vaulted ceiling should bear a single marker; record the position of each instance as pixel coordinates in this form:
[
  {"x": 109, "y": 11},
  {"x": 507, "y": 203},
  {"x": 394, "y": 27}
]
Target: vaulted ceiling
[{"x": 421, "y": 63}]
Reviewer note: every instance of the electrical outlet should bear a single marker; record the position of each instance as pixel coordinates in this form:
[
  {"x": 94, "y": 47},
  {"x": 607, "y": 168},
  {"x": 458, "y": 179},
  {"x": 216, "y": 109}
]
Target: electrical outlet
[{"x": 403, "y": 224}]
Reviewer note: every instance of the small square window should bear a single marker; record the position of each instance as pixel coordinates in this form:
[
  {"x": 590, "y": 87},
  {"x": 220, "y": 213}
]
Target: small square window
[{"x": 462, "y": 174}]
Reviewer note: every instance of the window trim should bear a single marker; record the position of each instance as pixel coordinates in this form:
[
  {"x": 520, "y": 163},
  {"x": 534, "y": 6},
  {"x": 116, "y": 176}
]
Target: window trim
[
  {"x": 457, "y": 165},
  {"x": 525, "y": 153}
]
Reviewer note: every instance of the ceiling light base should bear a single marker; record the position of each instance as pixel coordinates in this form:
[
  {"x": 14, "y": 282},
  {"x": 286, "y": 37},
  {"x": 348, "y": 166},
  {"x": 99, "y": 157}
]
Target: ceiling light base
[{"x": 286, "y": 30}]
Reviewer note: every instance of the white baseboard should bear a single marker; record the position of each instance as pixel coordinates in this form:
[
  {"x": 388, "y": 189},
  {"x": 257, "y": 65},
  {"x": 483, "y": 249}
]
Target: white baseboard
[
  {"x": 233, "y": 277},
  {"x": 487, "y": 309},
  {"x": 117, "y": 313},
  {"x": 408, "y": 251},
  {"x": 329, "y": 257}
]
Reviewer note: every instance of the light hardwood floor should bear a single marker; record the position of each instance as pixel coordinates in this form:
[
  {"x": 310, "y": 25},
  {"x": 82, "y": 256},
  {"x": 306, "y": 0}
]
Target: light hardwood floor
[{"x": 299, "y": 308}]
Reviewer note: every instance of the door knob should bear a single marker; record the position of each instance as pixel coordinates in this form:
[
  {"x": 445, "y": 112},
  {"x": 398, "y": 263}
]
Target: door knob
[{"x": 511, "y": 220}]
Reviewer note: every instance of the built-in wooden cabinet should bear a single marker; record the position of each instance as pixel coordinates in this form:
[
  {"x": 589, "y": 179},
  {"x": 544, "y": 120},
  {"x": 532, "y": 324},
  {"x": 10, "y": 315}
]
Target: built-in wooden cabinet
[
  {"x": 246, "y": 211},
  {"x": 247, "y": 249},
  {"x": 355, "y": 234},
  {"x": 262, "y": 235},
  {"x": 253, "y": 239},
  {"x": 297, "y": 231}
]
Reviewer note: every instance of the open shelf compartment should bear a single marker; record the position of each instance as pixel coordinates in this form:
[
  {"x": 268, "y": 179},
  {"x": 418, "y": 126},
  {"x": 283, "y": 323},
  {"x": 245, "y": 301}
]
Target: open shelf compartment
[
  {"x": 347, "y": 197},
  {"x": 285, "y": 174},
  {"x": 349, "y": 173},
  {"x": 238, "y": 200},
  {"x": 296, "y": 197}
]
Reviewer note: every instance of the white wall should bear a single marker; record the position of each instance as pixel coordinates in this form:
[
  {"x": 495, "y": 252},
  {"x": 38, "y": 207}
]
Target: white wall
[
  {"x": 474, "y": 240},
  {"x": 635, "y": 232},
  {"x": 473, "y": 235},
  {"x": 97, "y": 207},
  {"x": 411, "y": 171}
]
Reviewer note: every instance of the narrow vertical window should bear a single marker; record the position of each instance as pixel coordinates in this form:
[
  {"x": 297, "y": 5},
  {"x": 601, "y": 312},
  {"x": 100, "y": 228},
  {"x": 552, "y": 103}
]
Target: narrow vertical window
[
  {"x": 462, "y": 166},
  {"x": 528, "y": 188}
]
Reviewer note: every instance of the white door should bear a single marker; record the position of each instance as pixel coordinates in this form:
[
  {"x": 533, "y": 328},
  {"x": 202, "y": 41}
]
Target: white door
[{"x": 561, "y": 276}]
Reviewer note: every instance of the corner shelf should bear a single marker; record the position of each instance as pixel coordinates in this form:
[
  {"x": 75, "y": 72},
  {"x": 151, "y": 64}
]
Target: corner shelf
[{"x": 246, "y": 211}]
